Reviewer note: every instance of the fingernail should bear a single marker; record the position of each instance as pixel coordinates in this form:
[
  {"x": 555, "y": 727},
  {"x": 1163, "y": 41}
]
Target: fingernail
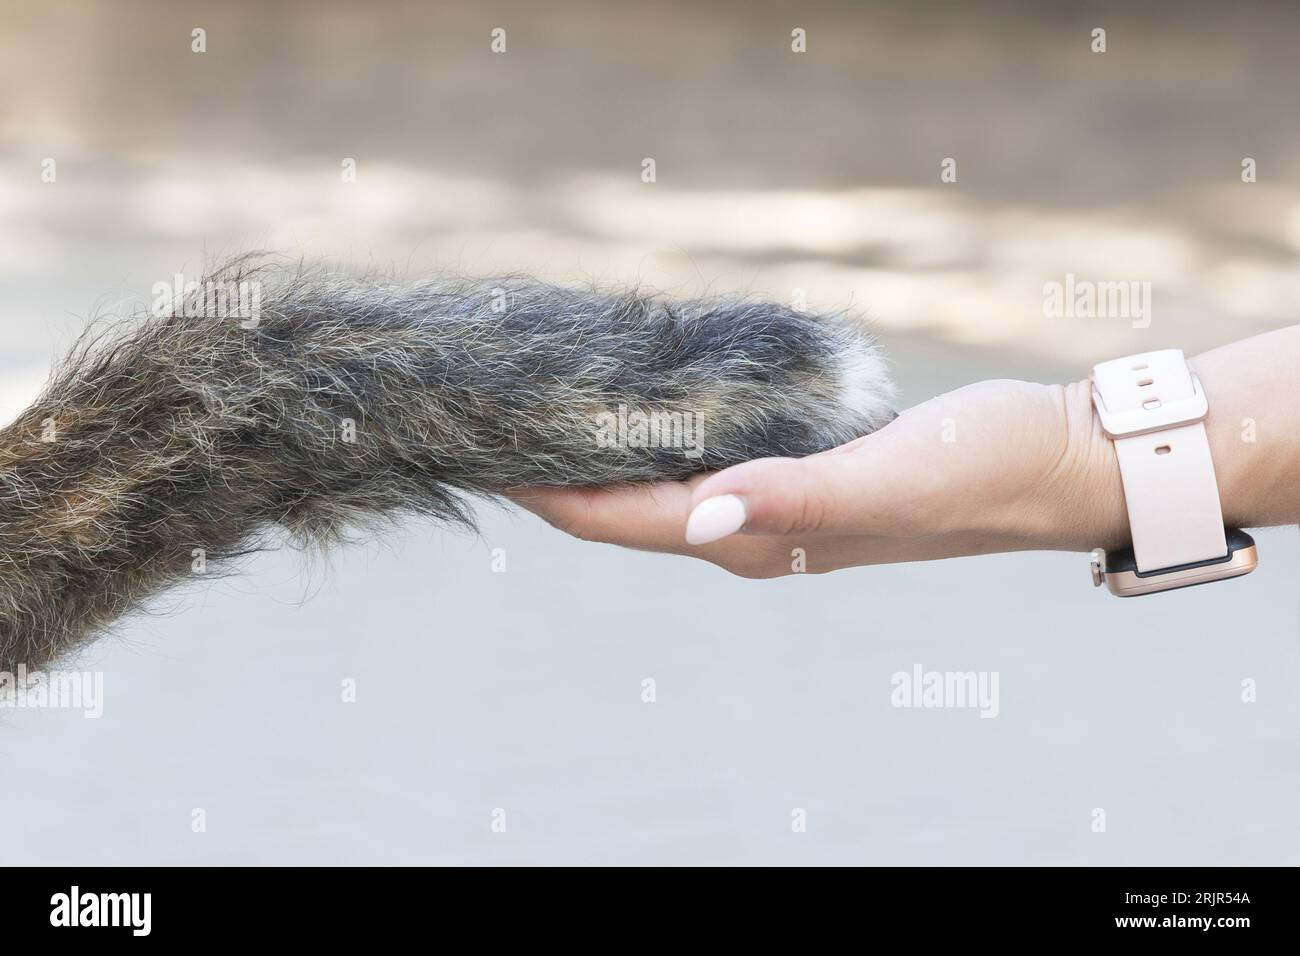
[{"x": 715, "y": 518}]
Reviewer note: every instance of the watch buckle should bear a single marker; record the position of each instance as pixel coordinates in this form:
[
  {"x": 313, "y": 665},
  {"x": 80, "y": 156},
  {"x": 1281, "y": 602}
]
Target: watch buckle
[{"x": 1142, "y": 421}]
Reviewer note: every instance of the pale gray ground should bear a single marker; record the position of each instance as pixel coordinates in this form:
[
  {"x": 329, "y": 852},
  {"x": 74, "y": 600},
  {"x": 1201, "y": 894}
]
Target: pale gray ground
[{"x": 522, "y": 690}]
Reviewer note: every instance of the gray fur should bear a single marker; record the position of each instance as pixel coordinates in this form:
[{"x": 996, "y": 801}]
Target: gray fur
[{"x": 164, "y": 435}]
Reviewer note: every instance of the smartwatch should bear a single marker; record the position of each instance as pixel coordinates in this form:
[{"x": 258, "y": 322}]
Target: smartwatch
[{"x": 1153, "y": 408}]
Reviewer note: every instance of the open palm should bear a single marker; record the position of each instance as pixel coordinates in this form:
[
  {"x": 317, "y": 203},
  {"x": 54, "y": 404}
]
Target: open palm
[{"x": 995, "y": 466}]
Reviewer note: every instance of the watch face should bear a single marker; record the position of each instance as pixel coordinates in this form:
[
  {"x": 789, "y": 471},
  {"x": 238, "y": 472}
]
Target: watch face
[
  {"x": 1124, "y": 579},
  {"x": 1123, "y": 559}
]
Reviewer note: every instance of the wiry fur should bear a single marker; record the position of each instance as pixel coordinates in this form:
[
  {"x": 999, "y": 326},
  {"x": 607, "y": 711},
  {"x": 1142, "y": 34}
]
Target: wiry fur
[{"x": 171, "y": 434}]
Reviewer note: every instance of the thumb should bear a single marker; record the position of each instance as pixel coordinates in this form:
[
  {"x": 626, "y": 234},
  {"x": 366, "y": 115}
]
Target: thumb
[{"x": 775, "y": 496}]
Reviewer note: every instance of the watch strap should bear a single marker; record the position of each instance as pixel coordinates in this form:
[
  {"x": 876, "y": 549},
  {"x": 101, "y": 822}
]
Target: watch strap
[{"x": 1153, "y": 408}]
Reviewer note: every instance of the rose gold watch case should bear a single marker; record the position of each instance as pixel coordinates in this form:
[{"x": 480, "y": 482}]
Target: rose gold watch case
[{"x": 1120, "y": 575}]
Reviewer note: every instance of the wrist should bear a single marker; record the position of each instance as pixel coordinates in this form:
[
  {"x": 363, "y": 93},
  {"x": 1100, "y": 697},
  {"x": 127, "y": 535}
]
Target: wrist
[
  {"x": 1087, "y": 508},
  {"x": 1082, "y": 498}
]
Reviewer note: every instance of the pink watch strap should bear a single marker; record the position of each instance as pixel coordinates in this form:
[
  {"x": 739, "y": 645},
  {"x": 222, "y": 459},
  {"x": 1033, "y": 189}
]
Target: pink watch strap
[{"x": 1153, "y": 407}]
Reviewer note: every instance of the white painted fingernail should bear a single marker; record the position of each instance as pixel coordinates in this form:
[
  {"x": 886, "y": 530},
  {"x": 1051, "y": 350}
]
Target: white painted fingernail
[{"x": 715, "y": 518}]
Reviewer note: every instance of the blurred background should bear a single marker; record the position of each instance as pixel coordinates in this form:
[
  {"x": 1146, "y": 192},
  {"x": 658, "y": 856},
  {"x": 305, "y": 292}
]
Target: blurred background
[{"x": 486, "y": 695}]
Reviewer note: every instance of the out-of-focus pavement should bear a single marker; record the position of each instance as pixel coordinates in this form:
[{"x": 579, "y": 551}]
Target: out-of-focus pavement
[
  {"x": 522, "y": 691},
  {"x": 776, "y": 171}
]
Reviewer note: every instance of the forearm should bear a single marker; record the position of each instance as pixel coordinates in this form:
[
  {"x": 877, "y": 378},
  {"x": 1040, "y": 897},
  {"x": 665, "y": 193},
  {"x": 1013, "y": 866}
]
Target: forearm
[{"x": 1253, "y": 387}]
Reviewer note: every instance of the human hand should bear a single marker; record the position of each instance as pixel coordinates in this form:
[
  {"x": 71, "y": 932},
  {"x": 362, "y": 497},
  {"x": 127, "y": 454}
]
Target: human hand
[{"x": 996, "y": 466}]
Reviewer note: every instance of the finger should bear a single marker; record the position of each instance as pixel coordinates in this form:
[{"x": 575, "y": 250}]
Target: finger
[
  {"x": 633, "y": 517},
  {"x": 856, "y": 443},
  {"x": 773, "y": 496},
  {"x": 650, "y": 517}
]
